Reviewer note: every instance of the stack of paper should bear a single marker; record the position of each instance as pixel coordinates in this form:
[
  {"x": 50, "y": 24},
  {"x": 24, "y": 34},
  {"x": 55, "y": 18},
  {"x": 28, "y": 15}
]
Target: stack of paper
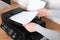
[{"x": 26, "y": 17}]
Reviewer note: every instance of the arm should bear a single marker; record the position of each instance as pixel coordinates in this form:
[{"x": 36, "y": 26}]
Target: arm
[
  {"x": 55, "y": 13},
  {"x": 46, "y": 12},
  {"x": 50, "y": 34}
]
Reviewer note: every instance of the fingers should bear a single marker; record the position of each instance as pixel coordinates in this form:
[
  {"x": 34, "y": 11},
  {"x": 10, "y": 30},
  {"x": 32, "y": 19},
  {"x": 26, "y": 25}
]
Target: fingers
[
  {"x": 30, "y": 27},
  {"x": 43, "y": 12}
]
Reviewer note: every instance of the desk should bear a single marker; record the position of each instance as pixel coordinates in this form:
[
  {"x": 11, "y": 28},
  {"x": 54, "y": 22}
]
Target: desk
[
  {"x": 50, "y": 24},
  {"x": 3, "y": 35}
]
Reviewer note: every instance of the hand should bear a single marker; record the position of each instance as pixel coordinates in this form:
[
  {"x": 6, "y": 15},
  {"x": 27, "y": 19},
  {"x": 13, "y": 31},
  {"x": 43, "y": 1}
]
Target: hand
[
  {"x": 43, "y": 12},
  {"x": 30, "y": 27}
]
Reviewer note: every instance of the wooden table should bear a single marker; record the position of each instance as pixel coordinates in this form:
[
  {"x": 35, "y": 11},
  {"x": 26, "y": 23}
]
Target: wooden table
[
  {"x": 3, "y": 35},
  {"x": 50, "y": 24}
]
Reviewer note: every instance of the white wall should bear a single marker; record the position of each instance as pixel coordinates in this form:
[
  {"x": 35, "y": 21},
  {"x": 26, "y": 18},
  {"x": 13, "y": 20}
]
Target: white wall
[
  {"x": 22, "y": 2},
  {"x": 53, "y": 4}
]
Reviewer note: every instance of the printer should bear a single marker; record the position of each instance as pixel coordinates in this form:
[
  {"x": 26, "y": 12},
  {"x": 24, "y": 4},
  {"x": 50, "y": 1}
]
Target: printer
[{"x": 14, "y": 29}]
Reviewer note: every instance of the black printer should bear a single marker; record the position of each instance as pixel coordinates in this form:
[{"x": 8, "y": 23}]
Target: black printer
[{"x": 14, "y": 29}]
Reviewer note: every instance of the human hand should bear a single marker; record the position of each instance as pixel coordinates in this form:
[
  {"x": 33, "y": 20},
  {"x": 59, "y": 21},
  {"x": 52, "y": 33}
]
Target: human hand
[
  {"x": 30, "y": 27},
  {"x": 43, "y": 12}
]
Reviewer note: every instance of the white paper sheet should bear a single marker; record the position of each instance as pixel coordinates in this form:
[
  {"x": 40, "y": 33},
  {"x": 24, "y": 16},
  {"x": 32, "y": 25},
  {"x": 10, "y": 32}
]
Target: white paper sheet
[
  {"x": 35, "y": 4},
  {"x": 24, "y": 17}
]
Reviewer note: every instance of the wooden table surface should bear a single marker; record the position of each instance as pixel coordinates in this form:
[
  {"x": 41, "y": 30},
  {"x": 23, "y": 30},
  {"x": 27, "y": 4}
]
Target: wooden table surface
[
  {"x": 50, "y": 24},
  {"x": 3, "y": 35}
]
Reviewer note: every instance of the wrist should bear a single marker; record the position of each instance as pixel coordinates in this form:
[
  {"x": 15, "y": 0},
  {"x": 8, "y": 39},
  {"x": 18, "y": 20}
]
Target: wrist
[{"x": 38, "y": 27}]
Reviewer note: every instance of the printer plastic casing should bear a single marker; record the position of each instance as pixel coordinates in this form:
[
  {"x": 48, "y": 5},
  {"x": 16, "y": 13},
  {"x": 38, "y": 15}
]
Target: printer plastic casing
[{"x": 16, "y": 30}]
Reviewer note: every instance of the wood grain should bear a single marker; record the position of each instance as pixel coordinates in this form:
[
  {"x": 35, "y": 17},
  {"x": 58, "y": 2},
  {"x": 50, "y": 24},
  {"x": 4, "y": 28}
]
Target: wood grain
[
  {"x": 3, "y": 35},
  {"x": 51, "y": 25}
]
